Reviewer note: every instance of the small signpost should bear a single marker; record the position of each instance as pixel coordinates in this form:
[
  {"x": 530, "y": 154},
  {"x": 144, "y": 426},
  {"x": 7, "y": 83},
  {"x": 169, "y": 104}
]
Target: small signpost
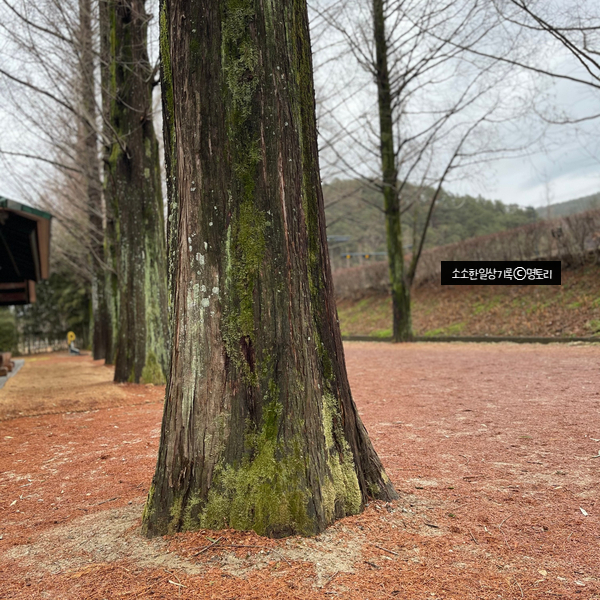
[{"x": 71, "y": 341}]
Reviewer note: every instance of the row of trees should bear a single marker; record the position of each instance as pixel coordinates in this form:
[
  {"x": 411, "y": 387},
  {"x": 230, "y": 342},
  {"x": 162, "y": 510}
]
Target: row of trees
[{"x": 83, "y": 85}]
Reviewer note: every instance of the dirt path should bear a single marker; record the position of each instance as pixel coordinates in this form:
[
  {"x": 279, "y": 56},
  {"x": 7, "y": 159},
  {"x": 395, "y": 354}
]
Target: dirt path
[
  {"x": 59, "y": 383},
  {"x": 491, "y": 447}
]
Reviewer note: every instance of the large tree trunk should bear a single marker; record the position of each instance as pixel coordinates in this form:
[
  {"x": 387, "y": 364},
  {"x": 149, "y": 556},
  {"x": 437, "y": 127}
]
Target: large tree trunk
[
  {"x": 402, "y": 328},
  {"x": 133, "y": 193},
  {"x": 260, "y": 430}
]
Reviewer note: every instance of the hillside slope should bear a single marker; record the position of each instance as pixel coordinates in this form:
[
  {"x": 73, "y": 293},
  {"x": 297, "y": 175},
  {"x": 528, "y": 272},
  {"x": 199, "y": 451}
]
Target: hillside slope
[
  {"x": 571, "y": 309},
  {"x": 570, "y": 207},
  {"x": 355, "y": 210}
]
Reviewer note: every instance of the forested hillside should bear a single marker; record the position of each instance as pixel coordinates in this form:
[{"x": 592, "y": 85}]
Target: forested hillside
[
  {"x": 570, "y": 207},
  {"x": 355, "y": 209}
]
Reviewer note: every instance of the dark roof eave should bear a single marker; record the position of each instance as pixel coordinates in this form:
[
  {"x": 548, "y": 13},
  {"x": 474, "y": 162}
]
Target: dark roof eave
[{"x": 23, "y": 208}]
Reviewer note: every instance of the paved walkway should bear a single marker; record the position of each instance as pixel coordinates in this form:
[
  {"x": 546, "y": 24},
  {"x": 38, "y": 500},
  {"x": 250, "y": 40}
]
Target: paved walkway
[{"x": 19, "y": 362}]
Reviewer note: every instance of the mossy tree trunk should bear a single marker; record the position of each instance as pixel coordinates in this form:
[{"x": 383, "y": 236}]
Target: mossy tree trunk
[
  {"x": 133, "y": 195},
  {"x": 101, "y": 323},
  {"x": 111, "y": 295},
  {"x": 260, "y": 430},
  {"x": 400, "y": 284}
]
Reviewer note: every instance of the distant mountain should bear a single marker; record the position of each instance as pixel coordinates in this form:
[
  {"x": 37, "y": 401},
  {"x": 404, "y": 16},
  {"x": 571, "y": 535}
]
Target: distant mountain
[
  {"x": 354, "y": 210},
  {"x": 570, "y": 207}
]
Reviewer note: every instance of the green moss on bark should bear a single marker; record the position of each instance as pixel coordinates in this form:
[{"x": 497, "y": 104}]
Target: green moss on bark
[
  {"x": 267, "y": 491},
  {"x": 342, "y": 494},
  {"x": 246, "y": 247},
  {"x": 152, "y": 373},
  {"x": 240, "y": 55},
  {"x": 245, "y": 244},
  {"x": 191, "y": 508},
  {"x": 250, "y": 253},
  {"x": 149, "y": 506},
  {"x": 176, "y": 514}
]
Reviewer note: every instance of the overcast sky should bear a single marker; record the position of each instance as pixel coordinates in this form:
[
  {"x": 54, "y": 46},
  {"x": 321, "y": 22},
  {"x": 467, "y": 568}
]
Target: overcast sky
[{"x": 561, "y": 166}]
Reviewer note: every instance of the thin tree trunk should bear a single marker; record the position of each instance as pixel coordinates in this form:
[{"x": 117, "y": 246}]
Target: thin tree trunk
[
  {"x": 91, "y": 171},
  {"x": 133, "y": 194},
  {"x": 260, "y": 430},
  {"x": 111, "y": 295},
  {"x": 402, "y": 327}
]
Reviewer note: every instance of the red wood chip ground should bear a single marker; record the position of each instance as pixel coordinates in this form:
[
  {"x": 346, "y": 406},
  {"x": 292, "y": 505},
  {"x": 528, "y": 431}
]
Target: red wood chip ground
[{"x": 494, "y": 449}]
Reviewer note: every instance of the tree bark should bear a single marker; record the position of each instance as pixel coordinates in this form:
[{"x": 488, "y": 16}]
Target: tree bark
[
  {"x": 133, "y": 193},
  {"x": 111, "y": 287},
  {"x": 101, "y": 324},
  {"x": 260, "y": 430},
  {"x": 402, "y": 327}
]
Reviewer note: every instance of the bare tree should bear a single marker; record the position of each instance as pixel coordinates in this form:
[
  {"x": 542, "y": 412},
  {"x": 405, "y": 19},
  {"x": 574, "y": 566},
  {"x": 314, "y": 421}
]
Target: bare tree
[
  {"x": 573, "y": 26},
  {"x": 124, "y": 233},
  {"x": 564, "y": 43},
  {"x": 436, "y": 108},
  {"x": 52, "y": 93}
]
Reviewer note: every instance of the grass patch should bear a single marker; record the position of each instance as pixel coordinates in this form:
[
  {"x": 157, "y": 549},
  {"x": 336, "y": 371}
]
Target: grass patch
[
  {"x": 364, "y": 303},
  {"x": 572, "y": 309},
  {"x": 594, "y": 325},
  {"x": 454, "y": 329},
  {"x": 383, "y": 333},
  {"x": 486, "y": 305}
]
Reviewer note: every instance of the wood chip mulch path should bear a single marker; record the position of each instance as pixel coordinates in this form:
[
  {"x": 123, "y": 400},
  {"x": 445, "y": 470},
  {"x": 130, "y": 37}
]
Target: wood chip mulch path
[{"x": 493, "y": 447}]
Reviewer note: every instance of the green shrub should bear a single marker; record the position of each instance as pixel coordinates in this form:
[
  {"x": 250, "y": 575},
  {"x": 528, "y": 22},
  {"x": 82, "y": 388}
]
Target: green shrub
[{"x": 8, "y": 331}]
